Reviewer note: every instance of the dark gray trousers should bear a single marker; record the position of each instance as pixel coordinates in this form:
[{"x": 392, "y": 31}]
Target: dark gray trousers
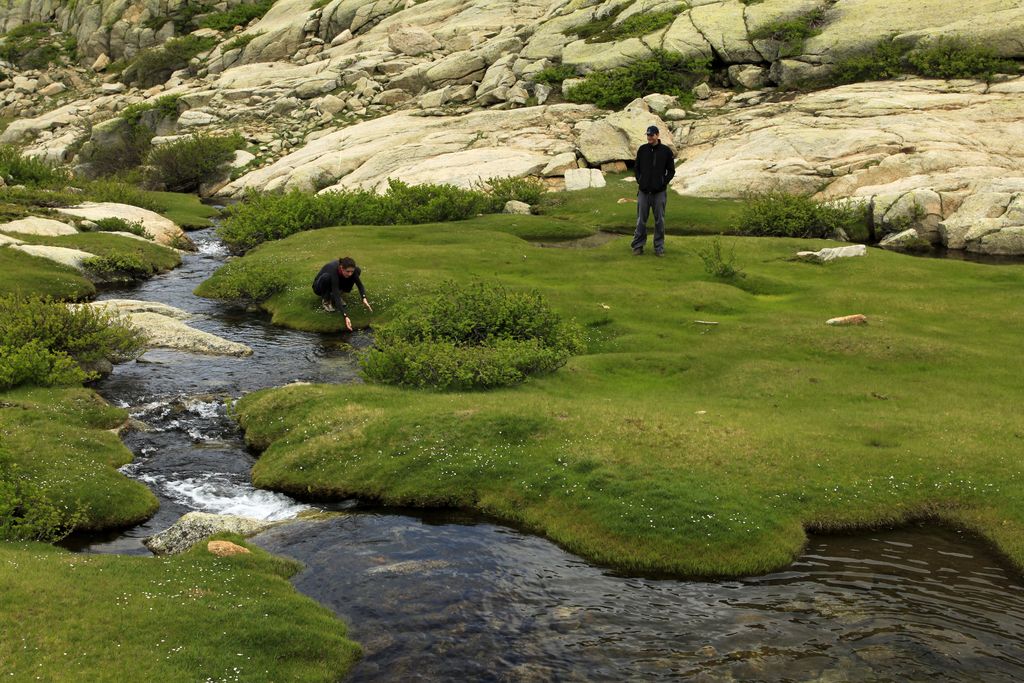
[{"x": 645, "y": 202}]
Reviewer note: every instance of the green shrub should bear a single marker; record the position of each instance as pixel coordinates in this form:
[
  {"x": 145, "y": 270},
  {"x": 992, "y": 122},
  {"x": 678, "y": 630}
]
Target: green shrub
[
  {"x": 182, "y": 165},
  {"x": 118, "y": 267},
  {"x": 155, "y": 65},
  {"x": 27, "y": 514},
  {"x": 165, "y": 106},
  {"x": 887, "y": 59},
  {"x": 956, "y": 57},
  {"x": 34, "y": 46},
  {"x": 793, "y": 32},
  {"x": 471, "y": 337},
  {"x": 664, "y": 72},
  {"x": 43, "y": 341},
  {"x": 717, "y": 263},
  {"x": 239, "y": 15},
  {"x": 554, "y": 75},
  {"x": 20, "y": 170},
  {"x": 529, "y": 190},
  {"x": 114, "y": 224},
  {"x": 639, "y": 25},
  {"x": 262, "y": 216},
  {"x": 597, "y": 27},
  {"x": 244, "y": 280},
  {"x": 778, "y": 214},
  {"x": 239, "y": 42}
]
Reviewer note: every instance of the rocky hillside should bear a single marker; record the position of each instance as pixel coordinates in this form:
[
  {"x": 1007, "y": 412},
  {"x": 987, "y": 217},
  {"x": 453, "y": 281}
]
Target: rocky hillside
[{"x": 349, "y": 93}]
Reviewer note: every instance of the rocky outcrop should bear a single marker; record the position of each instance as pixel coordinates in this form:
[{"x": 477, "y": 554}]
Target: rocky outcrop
[
  {"x": 73, "y": 258},
  {"x": 34, "y": 225},
  {"x": 163, "y": 230},
  {"x": 193, "y": 527},
  {"x": 932, "y": 155},
  {"x": 163, "y": 327}
]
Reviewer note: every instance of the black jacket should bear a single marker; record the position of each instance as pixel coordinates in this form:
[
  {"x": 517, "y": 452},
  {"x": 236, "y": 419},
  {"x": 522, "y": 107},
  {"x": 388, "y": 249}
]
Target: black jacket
[
  {"x": 655, "y": 166},
  {"x": 329, "y": 284}
]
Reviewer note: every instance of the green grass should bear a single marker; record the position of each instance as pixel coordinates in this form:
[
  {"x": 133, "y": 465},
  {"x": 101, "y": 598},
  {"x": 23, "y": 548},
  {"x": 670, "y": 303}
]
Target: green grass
[
  {"x": 191, "y": 617},
  {"x": 155, "y": 257},
  {"x": 598, "y": 209},
  {"x": 34, "y": 275},
  {"x": 674, "y": 446},
  {"x": 59, "y": 438}
]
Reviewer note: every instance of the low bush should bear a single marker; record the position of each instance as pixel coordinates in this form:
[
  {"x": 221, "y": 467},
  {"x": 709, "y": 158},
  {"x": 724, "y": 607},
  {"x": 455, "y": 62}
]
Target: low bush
[
  {"x": 885, "y": 60},
  {"x": 43, "y": 342},
  {"x": 114, "y": 224},
  {"x": 956, "y": 57},
  {"x": 21, "y": 170},
  {"x": 792, "y": 32},
  {"x": 28, "y": 514},
  {"x": 471, "y": 337},
  {"x": 247, "y": 281},
  {"x": 239, "y": 42},
  {"x": 554, "y": 75},
  {"x": 639, "y": 25},
  {"x": 665, "y": 72},
  {"x": 182, "y": 165},
  {"x": 262, "y": 217},
  {"x": 117, "y": 267},
  {"x": 717, "y": 263},
  {"x": 239, "y": 15},
  {"x": 779, "y": 214},
  {"x": 529, "y": 190},
  {"x": 35, "y": 45},
  {"x": 155, "y": 65}
]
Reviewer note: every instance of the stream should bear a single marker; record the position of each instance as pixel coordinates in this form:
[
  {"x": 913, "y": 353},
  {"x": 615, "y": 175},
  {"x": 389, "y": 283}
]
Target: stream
[{"x": 442, "y": 595}]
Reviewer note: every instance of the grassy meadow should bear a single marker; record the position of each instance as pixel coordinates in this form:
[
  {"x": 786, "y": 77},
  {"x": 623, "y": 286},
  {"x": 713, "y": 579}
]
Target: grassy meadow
[{"x": 672, "y": 445}]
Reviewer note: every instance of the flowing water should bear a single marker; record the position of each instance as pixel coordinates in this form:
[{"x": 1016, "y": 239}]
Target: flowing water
[{"x": 454, "y": 596}]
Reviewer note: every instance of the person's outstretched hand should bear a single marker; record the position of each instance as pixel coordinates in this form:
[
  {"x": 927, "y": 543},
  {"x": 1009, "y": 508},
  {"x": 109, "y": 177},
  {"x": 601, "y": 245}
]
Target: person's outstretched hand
[
  {"x": 348, "y": 324},
  {"x": 367, "y": 304}
]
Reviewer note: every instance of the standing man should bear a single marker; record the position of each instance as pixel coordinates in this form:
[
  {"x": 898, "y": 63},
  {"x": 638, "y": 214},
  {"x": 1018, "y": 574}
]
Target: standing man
[
  {"x": 337, "y": 277},
  {"x": 655, "y": 165}
]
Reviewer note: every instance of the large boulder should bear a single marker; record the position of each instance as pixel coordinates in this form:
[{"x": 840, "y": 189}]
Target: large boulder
[
  {"x": 62, "y": 255},
  {"x": 163, "y": 230},
  {"x": 193, "y": 527},
  {"x": 35, "y": 225},
  {"x": 617, "y": 136},
  {"x": 412, "y": 40}
]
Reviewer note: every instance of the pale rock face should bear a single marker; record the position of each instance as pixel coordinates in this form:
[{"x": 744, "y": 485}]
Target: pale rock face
[
  {"x": 617, "y": 136},
  {"x": 559, "y": 165},
  {"x": 194, "y": 118},
  {"x": 34, "y": 225},
  {"x": 900, "y": 239},
  {"x": 61, "y": 255},
  {"x": 583, "y": 178},
  {"x": 412, "y": 40},
  {"x": 833, "y": 253},
  {"x": 516, "y": 208},
  {"x": 7, "y": 240},
  {"x": 163, "y": 230}
]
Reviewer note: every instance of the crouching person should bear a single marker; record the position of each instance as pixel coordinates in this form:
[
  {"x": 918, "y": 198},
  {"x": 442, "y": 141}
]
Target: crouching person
[{"x": 337, "y": 277}]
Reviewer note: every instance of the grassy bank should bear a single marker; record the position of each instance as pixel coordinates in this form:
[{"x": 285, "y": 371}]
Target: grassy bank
[
  {"x": 35, "y": 275},
  {"x": 60, "y": 439},
  {"x": 192, "y": 617},
  {"x": 673, "y": 445}
]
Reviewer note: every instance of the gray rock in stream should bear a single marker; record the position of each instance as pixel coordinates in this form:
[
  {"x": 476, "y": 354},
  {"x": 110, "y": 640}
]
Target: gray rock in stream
[{"x": 193, "y": 527}]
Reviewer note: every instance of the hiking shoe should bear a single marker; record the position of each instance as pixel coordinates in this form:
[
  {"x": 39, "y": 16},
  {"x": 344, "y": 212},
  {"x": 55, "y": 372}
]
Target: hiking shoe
[
  {"x": 638, "y": 252},
  {"x": 659, "y": 253},
  {"x": 327, "y": 306}
]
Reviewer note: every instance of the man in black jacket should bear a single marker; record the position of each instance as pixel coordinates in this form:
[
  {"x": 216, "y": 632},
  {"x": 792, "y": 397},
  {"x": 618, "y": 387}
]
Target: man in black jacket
[
  {"x": 654, "y": 168},
  {"x": 337, "y": 277}
]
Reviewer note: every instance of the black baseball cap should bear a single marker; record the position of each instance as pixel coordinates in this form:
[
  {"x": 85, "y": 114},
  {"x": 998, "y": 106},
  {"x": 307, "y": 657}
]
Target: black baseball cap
[{"x": 652, "y": 130}]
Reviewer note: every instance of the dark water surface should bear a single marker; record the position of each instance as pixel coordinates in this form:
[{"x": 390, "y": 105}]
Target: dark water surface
[{"x": 451, "y": 596}]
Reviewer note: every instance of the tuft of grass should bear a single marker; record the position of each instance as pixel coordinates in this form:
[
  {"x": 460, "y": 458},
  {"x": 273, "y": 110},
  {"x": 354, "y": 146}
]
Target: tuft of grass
[
  {"x": 239, "y": 42},
  {"x": 18, "y": 169},
  {"x": 554, "y": 75},
  {"x": 185, "y": 164},
  {"x": 957, "y": 57}
]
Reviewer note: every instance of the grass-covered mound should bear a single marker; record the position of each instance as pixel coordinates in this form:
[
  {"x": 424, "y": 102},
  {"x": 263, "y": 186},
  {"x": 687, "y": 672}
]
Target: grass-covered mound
[
  {"x": 672, "y": 445},
  {"x": 60, "y": 440},
  {"x": 27, "y": 274},
  {"x": 192, "y": 617}
]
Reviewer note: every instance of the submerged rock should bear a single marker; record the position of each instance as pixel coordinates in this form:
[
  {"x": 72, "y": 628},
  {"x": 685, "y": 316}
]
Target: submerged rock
[
  {"x": 163, "y": 328},
  {"x": 193, "y": 527}
]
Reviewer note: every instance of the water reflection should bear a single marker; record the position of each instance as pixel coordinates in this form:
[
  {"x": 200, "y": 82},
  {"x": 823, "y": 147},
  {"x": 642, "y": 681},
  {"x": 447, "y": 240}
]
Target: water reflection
[{"x": 484, "y": 602}]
